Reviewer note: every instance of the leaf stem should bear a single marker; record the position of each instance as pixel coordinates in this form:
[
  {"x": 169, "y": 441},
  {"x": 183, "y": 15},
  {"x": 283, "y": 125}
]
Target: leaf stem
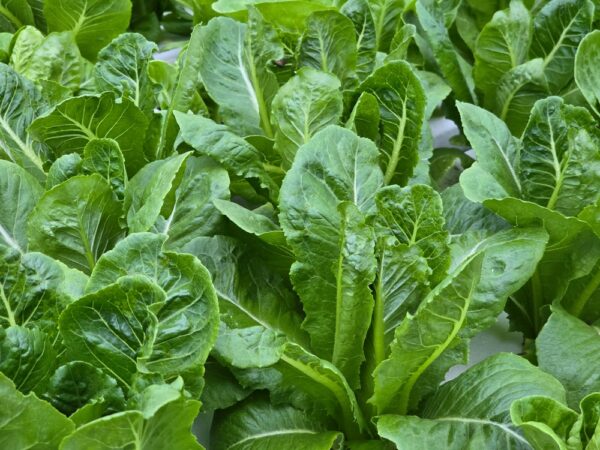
[
  {"x": 580, "y": 302},
  {"x": 378, "y": 322},
  {"x": 9, "y": 312},
  {"x": 536, "y": 291}
]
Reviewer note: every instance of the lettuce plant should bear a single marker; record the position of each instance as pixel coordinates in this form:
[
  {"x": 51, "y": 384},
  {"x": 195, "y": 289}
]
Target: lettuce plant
[{"x": 266, "y": 230}]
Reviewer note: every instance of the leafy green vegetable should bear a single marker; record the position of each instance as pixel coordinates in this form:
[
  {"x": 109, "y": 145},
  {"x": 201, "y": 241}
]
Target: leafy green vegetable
[{"x": 274, "y": 223}]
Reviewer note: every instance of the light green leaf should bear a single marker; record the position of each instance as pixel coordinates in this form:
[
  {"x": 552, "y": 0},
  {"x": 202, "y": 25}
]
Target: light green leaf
[
  {"x": 517, "y": 91},
  {"x": 472, "y": 411},
  {"x": 188, "y": 322},
  {"x": 468, "y": 300},
  {"x": 183, "y": 96},
  {"x": 104, "y": 157},
  {"x": 571, "y": 242},
  {"x": 54, "y": 58},
  {"x": 94, "y": 22},
  {"x": 494, "y": 175},
  {"x": 560, "y": 160},
  {"x": 165, "y": 422},
  {"x": 586, "y": 75},
  {"x": 188, "y": 210},
  {"x": 18, "y": 415},
  {"x": 365, "y": 117},
  {"x": 545, "y": 422},
  {"x": 436, "y": 90},
  {"x": 558, "y": 28},
  {"x": 250, "y": 294},
  {"x": 76, "y": 221},
  {"x": 414, "y": 216},
  {"x": 402, "y": 108},
  {"x": 402, "y": 282},
  {"x": 227, "y": 148},
  {"x": 502, "y": 45},
  {"x": 327, "y": 269},
  {"x": 122, "y": 68},
  {"x": 386, "y": 16},
  {"x": 19, "y": 193},
  {"x": 329, "y": 45},
  {"x": 34, "y": 289},
  {"x": 234, "y": 60},
  {"x": 147, "y": 191},
  {"x": 569, "y": 349},
  {"x": 310, "y": 384},
  {"x": 456, "y": 71},
  {"x": 74, "y": 122},
  {"x": 252, "y": 222},
  {"x": 116, "y": 328},
  {"x": 20, "y": 105},
  {"x": 307, "y": 103},
  {"x": 257, "y": 424},
  {"x": 359, "y": 13}
]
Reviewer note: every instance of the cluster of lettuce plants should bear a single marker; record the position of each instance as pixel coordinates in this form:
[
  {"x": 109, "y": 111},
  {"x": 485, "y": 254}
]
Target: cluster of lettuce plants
[{"x": 266, "y": 232}]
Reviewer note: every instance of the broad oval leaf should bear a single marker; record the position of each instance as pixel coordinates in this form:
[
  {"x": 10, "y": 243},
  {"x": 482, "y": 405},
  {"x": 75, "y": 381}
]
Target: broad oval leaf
[
  {"x": 94, "y": 22},
  {"x": 122, "y": 68},
  {"x": 234, "y": 59},
  {"x": 329, "y": 45},
  {"x": 558, "y": 29},
  {"x": 115, "y": 327},
  {"x": 307, "y": 103},
  {"x": 188, "y": 322},
  {"x": 414, "y": 216},
  {"x": 14, "y": 14},
  {"x": 27, "y": 357},
  {"x": 560, "y": 160},
  {"x": 78, "y": 120},
  {"x": 76, "y": 221}
]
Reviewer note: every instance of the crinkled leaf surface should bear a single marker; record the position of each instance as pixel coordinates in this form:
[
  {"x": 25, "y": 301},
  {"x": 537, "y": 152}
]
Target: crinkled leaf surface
[
  {"x": 76, "y": 121},
  {"x": 307, "y": 103},
  {"x": 76, "y": 221},
  {"x": 401, "y": 106},
  {"x": 322, "y": 235}
]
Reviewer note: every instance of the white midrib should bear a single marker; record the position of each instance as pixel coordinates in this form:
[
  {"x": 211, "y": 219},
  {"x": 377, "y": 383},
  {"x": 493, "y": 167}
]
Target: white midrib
[
  {"x": 27, "y": 151},
  {"x": 273, "y": 434},
  {"x": 246, "y": 77},
  {"x": 502, "y": 426},
  {"x": 9, "y": 240}
]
